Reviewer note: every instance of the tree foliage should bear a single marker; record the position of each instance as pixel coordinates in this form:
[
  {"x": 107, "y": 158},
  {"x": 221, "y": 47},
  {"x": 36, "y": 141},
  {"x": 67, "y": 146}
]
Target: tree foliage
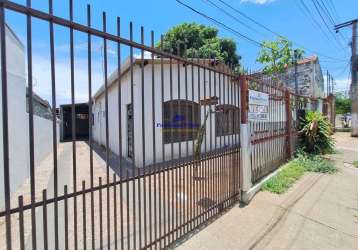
[
  {"x": 277, "y": 55},
  {"x": 343, "y": 104},
  {"x": 199, "y": 41}
]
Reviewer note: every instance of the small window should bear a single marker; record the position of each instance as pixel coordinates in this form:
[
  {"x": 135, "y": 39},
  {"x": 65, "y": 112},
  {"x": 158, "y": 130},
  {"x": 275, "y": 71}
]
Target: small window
[
  {"x": 181, "y": 121},
  {"x": 227, "y": 120}
]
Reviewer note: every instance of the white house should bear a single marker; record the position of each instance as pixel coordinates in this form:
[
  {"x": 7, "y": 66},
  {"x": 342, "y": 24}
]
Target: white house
[{"x": 172, "y": 115}]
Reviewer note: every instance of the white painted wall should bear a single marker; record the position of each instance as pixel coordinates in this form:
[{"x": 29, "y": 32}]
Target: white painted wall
[
  {"x": 18, "y": 120},
  {"x": 99, "y": 123}
]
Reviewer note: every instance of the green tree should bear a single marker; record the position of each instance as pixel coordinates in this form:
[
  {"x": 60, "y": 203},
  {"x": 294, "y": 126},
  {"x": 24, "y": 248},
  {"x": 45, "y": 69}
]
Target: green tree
[
  {"x": 277, "y": 55},
  {"x": 343, "y": 104},
  {"x": 199, "y": 41}
]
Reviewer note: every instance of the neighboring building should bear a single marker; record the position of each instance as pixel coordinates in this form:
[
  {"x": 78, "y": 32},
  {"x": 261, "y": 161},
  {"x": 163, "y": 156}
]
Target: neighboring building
[
  {"x": 18, "y": 119},
  {"x": 41, "y": 107},
  {"x": 183, "y": 114},
  {"x": 309, "y": 76}
]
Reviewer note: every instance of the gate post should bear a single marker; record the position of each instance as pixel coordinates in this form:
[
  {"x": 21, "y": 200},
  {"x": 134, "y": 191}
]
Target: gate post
[
  {"x": 245, "y": 138},
  {"x": 288, "y": 123}
]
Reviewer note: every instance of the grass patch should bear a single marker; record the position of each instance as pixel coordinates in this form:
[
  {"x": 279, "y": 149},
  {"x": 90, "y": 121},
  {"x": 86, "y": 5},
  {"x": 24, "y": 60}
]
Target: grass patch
[
  {"x": 293, "y": 170},
  {"x": 355, "y": 163},
  {"x": 285, "y": 179},
  {"x": 316, "y": 163}
]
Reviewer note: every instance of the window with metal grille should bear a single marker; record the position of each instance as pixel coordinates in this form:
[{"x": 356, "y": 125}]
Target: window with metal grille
[
  {"x": 181, "y": 121},
  {"x": 227, "y": 120}
]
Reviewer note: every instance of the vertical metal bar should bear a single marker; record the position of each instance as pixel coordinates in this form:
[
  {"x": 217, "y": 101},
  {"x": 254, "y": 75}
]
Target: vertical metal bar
[
  {"x": 100, "y": 213},
  {"x": 90, "y": 134},
  {"x": 84, "y": 219},
  {"x": 198, "y": 167},
  {"x": 66, "y": 215},
  {"x": 31, "y": 125},
  {"x": 21, "y": 222},
  {"x": 143, "y": 154},
  {"x": 163, "y": 156},
  {"x": 178, "y": 220},
  {"x": 211, "y": 161},
  {"x": 232, "y": 154},
  {"x": 226, "y": 138},
  {"x": 44, "y": 218},
  {"x": 237, "y": 91},
  {"x": 216, "y": 162},
  {"x": 192, "y": 165},
  {"x": 233, "y": 136},
  {"x": 205, "y": 166},
  {"x": 73, "y": 121},
  {"x": 220, "y": 182},
  {"x": 288, "y": 123},
  {"x": 54, "y": 124},
  {"x": 5, "y": 127},
  {"x": 171, "y": 148},
  {"x": 133, "y": 134},
  {"x": 187, "y": 127},
  {"x": 154, "y": 162},
  {"x": 115, "y": 211},
  {"x": 120, "y": 132},
  {"x": 104, "y": 21}
]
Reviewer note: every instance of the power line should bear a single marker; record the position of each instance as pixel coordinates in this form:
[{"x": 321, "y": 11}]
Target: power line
[
  {"x": 310, "y": 15},
  {"x": 319, "y": 9},
  {"x": 334, "y": 10},
  {"x": 241, "y": 35},
  {"x": 331, "y": 18},
  {"x": 326, "y": 11},
  {"x": 254, "y": 42},
  {"x": 272, "y": 31},
  {"x": 249, "y": 18},
  {"x": 232, "y": 16}
]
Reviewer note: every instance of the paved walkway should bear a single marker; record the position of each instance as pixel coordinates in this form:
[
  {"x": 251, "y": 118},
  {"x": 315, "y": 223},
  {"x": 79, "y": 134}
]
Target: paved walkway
[{"x": 319, "y": 212}]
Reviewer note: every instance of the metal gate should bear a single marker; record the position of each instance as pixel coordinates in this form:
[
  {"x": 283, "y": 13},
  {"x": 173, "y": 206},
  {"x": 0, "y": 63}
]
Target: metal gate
[
  {"x": 185, "y": 160},
  {"x": 275, "y": 139},
  {"x": 269, "y": 137}
]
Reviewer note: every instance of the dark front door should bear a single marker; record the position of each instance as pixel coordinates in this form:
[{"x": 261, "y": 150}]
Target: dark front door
[{"x": 82, "y": 122}]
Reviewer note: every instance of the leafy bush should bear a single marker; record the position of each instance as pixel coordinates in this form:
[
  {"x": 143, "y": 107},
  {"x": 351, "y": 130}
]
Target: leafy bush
[{"x": 316, "y": 134}]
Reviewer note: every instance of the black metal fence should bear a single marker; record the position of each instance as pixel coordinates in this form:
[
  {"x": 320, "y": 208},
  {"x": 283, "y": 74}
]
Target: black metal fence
[{"x": 152, "y": 169}]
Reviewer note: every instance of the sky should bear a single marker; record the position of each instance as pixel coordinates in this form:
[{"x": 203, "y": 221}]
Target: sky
[{"x": 289, "y": 18}]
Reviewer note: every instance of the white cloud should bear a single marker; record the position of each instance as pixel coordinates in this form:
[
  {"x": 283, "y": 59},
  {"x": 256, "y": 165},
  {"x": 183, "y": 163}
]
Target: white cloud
[
  {"x": 147, "y": 55},
  {"x": 258, "y": 1}
]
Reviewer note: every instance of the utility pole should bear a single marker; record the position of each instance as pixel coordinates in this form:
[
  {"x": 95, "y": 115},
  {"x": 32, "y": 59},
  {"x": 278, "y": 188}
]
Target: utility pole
[
  {"x": 296, "y": 80},
  {"x": 327, "y": 80},
  {"x": 354, "y": 68}
]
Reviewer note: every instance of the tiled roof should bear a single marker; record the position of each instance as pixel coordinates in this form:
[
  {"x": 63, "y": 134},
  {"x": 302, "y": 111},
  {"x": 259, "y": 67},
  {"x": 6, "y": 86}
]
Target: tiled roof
[{"x": 309, "y": 59}]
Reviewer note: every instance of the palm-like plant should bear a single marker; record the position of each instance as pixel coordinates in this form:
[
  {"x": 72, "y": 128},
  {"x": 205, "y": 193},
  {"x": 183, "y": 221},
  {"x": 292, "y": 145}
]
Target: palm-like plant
[{"x": 316, "y": 134}]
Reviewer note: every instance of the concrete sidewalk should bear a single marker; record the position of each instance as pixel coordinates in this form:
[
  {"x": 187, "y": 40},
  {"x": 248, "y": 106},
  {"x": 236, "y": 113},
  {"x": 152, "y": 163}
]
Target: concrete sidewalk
[{"x": 319, "y": 212}]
